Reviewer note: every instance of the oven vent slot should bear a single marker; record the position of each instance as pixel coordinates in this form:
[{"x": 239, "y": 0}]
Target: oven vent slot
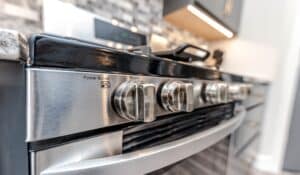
[{"x": 174, "y": 127}]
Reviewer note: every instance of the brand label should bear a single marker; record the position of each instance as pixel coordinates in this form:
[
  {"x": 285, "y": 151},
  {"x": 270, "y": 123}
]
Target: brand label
[{"x": 104, "y": 81}]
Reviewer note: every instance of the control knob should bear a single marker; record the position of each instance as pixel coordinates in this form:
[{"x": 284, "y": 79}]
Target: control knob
[
  {"x": 177, "y": 96},
  {"x": 134, "y": 100},
  {"x": 216, "y": 92},
  {"x": 239, "y": 91}
]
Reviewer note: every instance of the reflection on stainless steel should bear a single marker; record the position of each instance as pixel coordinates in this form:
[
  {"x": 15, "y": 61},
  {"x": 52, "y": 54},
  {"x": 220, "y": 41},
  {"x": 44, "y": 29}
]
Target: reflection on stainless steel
[
  {"x": 177, "y": 96},
  {"x": 104, "y": 97},
  {"x": 64, "y": 102},
  {"x": 151, "y": 159},
  {"x": 134, "y": 100},
  {"x": 61, "y": 102},
  {"x": 13, "y": 45},
  {"x": 89, "y": 148}
]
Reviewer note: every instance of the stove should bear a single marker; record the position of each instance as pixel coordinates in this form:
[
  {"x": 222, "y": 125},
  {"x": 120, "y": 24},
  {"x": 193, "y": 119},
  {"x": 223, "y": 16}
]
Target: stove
[{"x": 83, "y": 108}]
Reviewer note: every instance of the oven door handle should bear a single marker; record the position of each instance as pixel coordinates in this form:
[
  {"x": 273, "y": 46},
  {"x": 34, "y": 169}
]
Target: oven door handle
[{"x": 151, "y": 159}]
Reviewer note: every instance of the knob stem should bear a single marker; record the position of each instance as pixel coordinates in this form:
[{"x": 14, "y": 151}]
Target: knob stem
[{"x": 145, "y": 102}]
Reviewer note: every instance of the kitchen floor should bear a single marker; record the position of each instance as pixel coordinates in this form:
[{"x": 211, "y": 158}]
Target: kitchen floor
[
  {"x": 214, "y": 161},
  {"x": 256, "y": 172}
]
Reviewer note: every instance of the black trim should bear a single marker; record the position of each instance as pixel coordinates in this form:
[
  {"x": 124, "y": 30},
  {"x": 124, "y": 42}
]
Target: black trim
[
  {"x": 53, "y": 142},
  {"x": 179, "y": 54}
]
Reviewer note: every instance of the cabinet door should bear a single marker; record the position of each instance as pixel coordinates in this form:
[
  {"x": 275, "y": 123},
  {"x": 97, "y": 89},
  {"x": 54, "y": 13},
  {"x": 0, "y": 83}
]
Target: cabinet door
[
  {"x": 232, "y": 13},
  {"x": 214, "y": 7},
  {"x": 227, "y": 11}
]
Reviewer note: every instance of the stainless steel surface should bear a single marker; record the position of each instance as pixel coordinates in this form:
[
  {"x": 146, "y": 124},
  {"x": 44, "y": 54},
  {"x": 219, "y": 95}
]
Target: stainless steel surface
[
  {"x": 234, "y": 91},
  {"x": 65, "y": 102},
  {"x": 32, "y": 163},
  {"x": 62, "y": 102},
  {"x": 89, "y": 148},
  {"x": 13, "y": 45},
  {"x": 134, "y": 100},
  {"x": 256, "y": 96},
  {"x": 248, "y": 130},
  {"x": 245, "y": 140},
  {"x": 217, "y": 92},
  {"x": 148, "y": 160},
  {"x": 177, "y": 96},
  {"x": 239, "y": 91}
]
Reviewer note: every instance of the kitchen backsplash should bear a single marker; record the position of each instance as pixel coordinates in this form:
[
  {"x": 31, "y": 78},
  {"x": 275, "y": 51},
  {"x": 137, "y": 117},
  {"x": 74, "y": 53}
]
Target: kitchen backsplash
[
  {"x": 146, "y": 15},
  {"x": 21, "y": 15}
]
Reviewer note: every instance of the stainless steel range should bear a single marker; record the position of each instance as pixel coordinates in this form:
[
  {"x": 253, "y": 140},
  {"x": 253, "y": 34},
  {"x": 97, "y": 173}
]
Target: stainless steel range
[{"x": 71, "y": 107}]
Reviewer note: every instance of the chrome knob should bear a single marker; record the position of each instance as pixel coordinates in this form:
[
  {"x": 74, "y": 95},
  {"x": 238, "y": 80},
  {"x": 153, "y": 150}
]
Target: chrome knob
[
  {"x": 234, "y": 91},
  {"x": 239, "y": 91},
  {"x": 134, "y": 100},
  {"x": 177, "y": 96},
  {"x": 216, "y": 93}
]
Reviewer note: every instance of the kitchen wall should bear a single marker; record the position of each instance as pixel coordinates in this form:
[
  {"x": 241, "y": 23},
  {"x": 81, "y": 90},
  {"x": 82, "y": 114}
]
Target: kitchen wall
[
  {"x": 255, "y": 52},
  {"x": 268, "y": 48}
]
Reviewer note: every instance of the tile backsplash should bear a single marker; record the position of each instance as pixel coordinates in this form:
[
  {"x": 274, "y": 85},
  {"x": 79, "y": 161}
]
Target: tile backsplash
[
  {"x": 145, "y": 15},
  {"x": 21, "y": 15}
]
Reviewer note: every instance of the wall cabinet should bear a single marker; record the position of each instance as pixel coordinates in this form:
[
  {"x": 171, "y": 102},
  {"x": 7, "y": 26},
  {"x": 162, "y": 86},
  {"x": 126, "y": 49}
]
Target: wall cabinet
[{"x": 225, "y": 12}]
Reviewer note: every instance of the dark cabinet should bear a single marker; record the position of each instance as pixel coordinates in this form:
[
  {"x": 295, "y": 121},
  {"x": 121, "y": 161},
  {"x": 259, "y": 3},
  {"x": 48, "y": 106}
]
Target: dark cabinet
[
  {"x": 233, "y": 18},
  {"x": 225, "y": 12},
  {"x": 214, "y": 7}
]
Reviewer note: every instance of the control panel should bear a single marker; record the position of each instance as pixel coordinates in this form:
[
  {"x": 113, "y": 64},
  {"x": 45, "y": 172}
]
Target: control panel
[
  {"x": 83, "y": 101},
  {"x": 138, "y": 100}
]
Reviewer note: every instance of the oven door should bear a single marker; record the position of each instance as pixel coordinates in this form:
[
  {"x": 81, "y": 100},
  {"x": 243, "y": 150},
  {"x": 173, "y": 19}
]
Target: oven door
[{"x": 150, "y": 159}]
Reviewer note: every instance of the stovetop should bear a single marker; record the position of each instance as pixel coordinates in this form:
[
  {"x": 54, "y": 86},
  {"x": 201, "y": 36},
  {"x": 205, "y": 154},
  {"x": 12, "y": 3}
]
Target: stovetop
[{"x": 63, "y": 52}]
